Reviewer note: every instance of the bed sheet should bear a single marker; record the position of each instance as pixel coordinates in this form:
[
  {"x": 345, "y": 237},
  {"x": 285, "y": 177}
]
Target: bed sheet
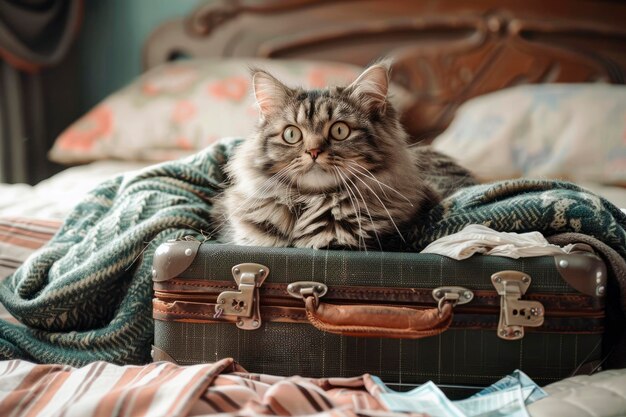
[
  {"x": 54, "y": 197},
  {"x": 225, "y": 389}
]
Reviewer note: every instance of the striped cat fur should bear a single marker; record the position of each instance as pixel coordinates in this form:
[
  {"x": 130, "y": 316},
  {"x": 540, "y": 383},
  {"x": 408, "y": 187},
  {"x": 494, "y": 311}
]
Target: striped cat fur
[{"x": 330, "y": 168}]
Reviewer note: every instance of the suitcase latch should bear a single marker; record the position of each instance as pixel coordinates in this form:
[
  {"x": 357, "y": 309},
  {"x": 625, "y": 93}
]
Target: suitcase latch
[
  {"x": 453, "y": 295},
  {"x": 244, "y": 302},
  {"x": 515, "y": 314}
]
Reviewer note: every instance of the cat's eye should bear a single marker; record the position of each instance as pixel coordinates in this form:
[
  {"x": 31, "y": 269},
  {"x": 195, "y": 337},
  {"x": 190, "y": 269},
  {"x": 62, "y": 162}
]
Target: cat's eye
[
  {"x": 292, "y": 135},
  {"x": 339, "y": 131}
]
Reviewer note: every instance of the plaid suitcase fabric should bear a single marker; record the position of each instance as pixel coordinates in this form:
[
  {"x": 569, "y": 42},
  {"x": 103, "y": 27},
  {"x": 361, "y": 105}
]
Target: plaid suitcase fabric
[{"x": 465, "y": 355}]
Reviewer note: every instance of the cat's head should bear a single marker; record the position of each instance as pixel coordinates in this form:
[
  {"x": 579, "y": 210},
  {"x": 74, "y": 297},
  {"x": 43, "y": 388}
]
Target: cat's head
[{"x": 313, "y": 138}]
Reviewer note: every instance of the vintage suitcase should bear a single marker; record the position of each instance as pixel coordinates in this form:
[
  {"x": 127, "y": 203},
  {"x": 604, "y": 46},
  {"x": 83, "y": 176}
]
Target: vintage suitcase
[{"x": 405, "y": 317}]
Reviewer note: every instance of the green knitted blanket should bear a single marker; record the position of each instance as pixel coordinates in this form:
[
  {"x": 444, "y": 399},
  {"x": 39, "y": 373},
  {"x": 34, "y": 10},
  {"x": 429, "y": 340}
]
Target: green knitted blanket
[{"x": 86, "y": 295}]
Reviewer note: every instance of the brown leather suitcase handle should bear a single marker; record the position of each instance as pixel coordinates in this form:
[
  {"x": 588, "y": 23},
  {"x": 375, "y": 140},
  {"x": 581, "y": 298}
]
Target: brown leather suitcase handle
[{"x": 378, "y": 321}]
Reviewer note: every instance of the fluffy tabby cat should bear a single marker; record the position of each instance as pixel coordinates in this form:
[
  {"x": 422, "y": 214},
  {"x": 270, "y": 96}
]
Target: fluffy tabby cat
[{"x": 330, "y": 168}]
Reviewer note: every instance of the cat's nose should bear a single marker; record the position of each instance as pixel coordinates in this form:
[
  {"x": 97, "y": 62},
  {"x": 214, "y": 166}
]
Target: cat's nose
[{"x": 314, "y": 152}]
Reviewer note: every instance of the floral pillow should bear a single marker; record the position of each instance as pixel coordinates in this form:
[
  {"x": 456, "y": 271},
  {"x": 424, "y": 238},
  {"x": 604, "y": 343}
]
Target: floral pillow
[
  {"x": 575, "y": 132},
  {"x": 181, "y": 107}
]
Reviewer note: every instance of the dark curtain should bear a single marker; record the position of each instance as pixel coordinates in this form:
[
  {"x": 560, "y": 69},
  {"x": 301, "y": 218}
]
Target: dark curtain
[
  {"x": 34, "y": 35},
  {"x": 37, "y": 33}
]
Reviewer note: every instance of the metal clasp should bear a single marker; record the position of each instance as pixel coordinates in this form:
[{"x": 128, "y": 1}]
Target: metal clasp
[
  {"x": 304, "y": 289},
  {"x": 515, "y": 314},
  {"x": 243, "y": 303},
  {"x": 453, "y": 295}
]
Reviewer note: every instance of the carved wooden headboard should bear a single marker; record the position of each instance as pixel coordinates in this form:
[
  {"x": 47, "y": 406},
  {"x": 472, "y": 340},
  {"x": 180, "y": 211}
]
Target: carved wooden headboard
[{"x": 444, "y": 51}]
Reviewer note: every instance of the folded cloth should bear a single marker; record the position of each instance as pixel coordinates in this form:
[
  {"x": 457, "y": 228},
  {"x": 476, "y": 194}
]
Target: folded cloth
[{"x": 477, "y": 238}]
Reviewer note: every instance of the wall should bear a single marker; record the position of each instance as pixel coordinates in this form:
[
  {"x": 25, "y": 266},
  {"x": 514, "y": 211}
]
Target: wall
[
  {"x": 105, "y": 57},
  {"x": 111, "y": 40}
]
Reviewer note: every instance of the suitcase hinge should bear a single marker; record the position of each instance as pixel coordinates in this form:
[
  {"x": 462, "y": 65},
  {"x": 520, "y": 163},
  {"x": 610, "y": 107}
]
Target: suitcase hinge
[
  {"x": 515, "y": 313},
  {"x": 243, "y": 303}
]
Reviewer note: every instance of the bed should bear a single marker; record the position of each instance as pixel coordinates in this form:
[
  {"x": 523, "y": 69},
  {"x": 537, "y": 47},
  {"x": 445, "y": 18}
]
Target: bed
[{"x": 511, "y": 90}]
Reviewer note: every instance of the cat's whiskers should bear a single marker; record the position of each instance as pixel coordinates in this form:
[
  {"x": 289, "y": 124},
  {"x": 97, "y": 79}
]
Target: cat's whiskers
[
  {"x": 359, "y": 214},
  {"x": 358, "y": 177},
  {"x": 356, "y": 212},
  {"x": 380, "y": 183},
  {"x": 365, "y": 204},
  {"x": 353, "y": 167}
]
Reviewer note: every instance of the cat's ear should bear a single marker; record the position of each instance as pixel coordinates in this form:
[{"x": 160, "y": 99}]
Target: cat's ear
[
  {"x": 270, "y": 94},
  {"x": 372, "y": 86}
]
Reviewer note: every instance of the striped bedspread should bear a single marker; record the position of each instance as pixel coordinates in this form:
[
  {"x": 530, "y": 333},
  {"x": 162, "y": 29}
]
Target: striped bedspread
[
  {"x": 164, "y": 389},
  {"x": 19, "y": 238}
]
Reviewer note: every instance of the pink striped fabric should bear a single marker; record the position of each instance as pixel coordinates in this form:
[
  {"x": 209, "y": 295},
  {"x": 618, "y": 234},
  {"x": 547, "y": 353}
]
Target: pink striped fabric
[
  {"x": 163, "y": 389},
  {"x": 19, "y": 238}
]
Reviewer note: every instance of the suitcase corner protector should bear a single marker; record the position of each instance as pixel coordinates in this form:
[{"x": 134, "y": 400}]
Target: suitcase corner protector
[
  {"x": 172, "y": 258},
  {"x": 584, "y": 272}
]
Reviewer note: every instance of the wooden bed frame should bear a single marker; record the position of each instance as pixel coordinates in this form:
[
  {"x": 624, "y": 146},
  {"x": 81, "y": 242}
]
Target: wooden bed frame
[{"x": 444, "y": 51}]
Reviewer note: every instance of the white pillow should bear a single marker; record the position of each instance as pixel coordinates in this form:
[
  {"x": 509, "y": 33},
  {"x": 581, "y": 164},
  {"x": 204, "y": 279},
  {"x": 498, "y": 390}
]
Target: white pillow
[{"x": 575, "y": 132}]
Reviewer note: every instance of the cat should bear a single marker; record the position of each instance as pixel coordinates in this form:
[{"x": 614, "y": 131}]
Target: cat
[{"x": 330, "y": 168}]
